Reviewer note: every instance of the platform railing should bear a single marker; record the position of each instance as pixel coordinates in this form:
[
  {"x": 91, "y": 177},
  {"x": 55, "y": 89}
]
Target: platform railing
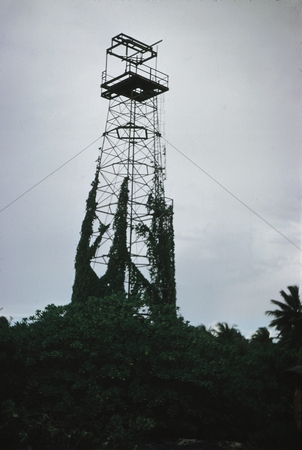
[
  {"x": 148, "y": 72},
  {"x": 144, "y": 71}
]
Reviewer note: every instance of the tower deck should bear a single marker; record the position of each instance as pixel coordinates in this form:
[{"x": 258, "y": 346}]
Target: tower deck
[{"x": 135, "y": 83}]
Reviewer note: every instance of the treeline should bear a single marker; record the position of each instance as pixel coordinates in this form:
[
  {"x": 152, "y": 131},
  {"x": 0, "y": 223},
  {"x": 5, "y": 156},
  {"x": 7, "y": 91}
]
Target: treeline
[{"x": 104, "y": 375}]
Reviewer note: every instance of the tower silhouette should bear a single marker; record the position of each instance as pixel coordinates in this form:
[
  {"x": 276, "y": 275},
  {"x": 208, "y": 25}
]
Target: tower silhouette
[{"x": 132, "y": 160}]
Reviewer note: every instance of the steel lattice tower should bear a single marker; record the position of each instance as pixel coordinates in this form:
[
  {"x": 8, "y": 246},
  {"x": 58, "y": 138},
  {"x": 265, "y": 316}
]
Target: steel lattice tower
[{"x": 131, "y": 144}]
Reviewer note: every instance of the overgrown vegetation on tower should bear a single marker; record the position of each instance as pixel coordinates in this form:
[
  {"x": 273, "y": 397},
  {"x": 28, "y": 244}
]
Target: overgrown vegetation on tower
[
  {"x": 86, "y": 281},
  {"x": 160, "y": 244},
  {"x": 159, "y": 239},
  {"x": 113, "y": 281}
]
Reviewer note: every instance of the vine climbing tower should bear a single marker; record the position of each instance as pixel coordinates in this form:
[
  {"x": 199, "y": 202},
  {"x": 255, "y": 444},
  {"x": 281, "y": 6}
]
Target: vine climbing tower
[{"x": 131, "y": 242}]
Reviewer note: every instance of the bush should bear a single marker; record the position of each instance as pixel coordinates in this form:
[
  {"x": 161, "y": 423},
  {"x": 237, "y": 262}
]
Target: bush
[{"x": 103, "y": 375}]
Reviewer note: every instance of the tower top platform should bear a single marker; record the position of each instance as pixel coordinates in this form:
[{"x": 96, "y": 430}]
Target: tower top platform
[
  {"x": 138, "y": 82},
  {"x": 131, "y": 50}
]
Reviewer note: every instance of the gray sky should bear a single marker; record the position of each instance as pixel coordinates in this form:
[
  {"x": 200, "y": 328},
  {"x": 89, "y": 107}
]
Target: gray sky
[{"x": 234, "y": 108}]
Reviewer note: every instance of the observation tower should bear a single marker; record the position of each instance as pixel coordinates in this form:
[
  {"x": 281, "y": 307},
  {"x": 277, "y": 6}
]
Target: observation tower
[{"x": 132, "y": 157}]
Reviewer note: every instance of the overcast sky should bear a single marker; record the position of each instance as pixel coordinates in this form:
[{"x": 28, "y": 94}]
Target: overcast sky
[{"x": 234, "y": 109}]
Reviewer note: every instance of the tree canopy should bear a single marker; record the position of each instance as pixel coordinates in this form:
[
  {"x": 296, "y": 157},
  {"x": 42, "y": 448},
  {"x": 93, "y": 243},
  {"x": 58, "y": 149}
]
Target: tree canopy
[
  {"x": 288, "y": 317},
  {"x": 99, "y": 375}
]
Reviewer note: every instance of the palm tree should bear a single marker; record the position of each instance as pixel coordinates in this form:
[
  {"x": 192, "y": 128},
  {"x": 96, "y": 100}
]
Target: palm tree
[
  {"x": 288, "y": 318},
  {"x": 262, "y": 335},
  {"x": 224, "y": 332},
  {"x": 203, "y": 329},
  {"x": 231, "y": 335}
]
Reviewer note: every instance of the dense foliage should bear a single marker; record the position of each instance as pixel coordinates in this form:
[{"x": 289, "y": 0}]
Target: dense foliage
[
  {"x": 102, "y": 375},
  {"x": 288, "y": 318},
  {"x": 113, "y": 280},
  {"x": 159, "y": 240},
  {"x": 86, "y": 281}
]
